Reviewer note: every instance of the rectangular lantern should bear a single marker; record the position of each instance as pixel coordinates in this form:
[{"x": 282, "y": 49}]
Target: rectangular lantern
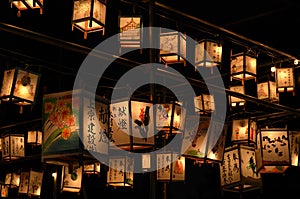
[
  {"x": 294, "y": 147},
  {"x": 204, "y": 103},
  {"x": 244, "y": 131},
  {"x": 267, "y": 91},
  {"x": 34, "y": 137},
  {"x": 27, "y": 4},
  {"x": 89, "y": 16},
  {"x": 208, "y": 53},
  {"x": 238, "y": 171},
  {"x": 243, "y": 66},
  {"x": 19, "y": 86},
  {"x": 132, "y": 124},
  {"x": 172, "y": 47},
  {"x": 170, "y": 117},
  {"x": 170, "y": 167},
  {"x": 207, "y": 139},
  {"x": 285, "y": 79},
  {"x": 235, "y": 101},
  {"x": 71, "y": 178},
  {"x": 12, "y": 180},
  {"x": 4, "y": 190},
  {"x": 13, "y": 146},
  {"x": 273, "y": 149},
  {"x": 31, "y": 183},
  {"x": 92, "y": 168},
  {"x": 74, "y": 122},
  {"x": 121, "y": 170},
  {"x": 130, "y": 31}
]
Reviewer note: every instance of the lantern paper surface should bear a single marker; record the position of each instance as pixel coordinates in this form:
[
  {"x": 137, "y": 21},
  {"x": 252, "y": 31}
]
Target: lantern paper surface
[
  {"x": 140, "y": 125},
  {"x": 13, "y": 147},
  {"x": 4, "y": 191},
  {"x": 24, "y": 183},
  {"x": 120, "y": 171},
  {"x": 285, "y": 79},
  {"x": 204, "y": 103},
  {"x": 267, "y": 91},
  {"x": 170, "y": 167},
  {"x": 235, "y": 100},
  {"x": 93, "y": 168},
  {"x": 243, "y": 66},
  {"x": 12, "y": 179},
  {"x": 130, "y": 31},
  {"x": 31, "y": 183},
  {"x": 294, "y": 147},
  {"x": 208, "y": 53},
  {"x": 243, "y": 130},
  {"x": 71, "y": 182},
  {"x": 34, "y": 137}
]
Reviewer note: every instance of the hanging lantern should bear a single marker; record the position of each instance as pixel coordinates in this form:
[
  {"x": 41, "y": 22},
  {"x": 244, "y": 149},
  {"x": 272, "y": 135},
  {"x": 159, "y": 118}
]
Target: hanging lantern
[
  {"x": 208, "y": 53},
  {"x": 170, "y": 167},
  {"x": 121, "y": 170},
  {"x": 31, "y": 183},
  {"x": 92, "y": 168},
  {"x": 13, "y": 146},
  {"x": 172, "y": 47},
  {"x": 146, "y": 161},
  {"x": 12, "y": 180},
  {"x": 130, "y": 31},
  {"x": 27, "y": 4},
  {"x": 170, "y": 117},
  {"x": 204, "y": 103},
  {"x": 132, "y": 125},
  {"x": 244, "y": 131},
  {"x": 243, "y": 67},
  {"x": 71, "y": 178},
  {"x": 285, "y": 79},
  {"x": 89, "y": 16},
  {"x": 294, "y": 147},
  {"x": 19, "y": 86},
  {"x": 235, "y": 101},
  {"x": 4, "y": 190},
  {"x": 34, "y": 137},
  {"x": 267, "y": 91},
  {"x": 273, "y": 149},
  {"x": 238, "y": 171}
]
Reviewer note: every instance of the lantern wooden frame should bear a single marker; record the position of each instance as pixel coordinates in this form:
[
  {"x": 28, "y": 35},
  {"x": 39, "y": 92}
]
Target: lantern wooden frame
[
  {"x": 204, "y": 104},
  {"x": 27, "y": 4},
  {"x": 267, "y": 91},
  {"x": 13, "y": 146},
  {"x": 244, "y": 131}
]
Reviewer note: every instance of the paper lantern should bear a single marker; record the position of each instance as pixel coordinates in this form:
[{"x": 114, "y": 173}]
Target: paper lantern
[
  {"x": 285, "y": 79},
  {"x": 204, "y": 103},
  {"x": 130, "y": 31},
  {"x": 294, "y": 147},
  {"x": 92, "y": 168},
  {"x": 13, "y": 146},
  {"x": 31, "y": 183},
  {"x": 27, "y": 4},
  {"x": 12, "y": 180},
  {"x": 235, "y": 101},
  {"x": 34, "y": 137},
  {"x": 267, "y": 91},
  {"x": 244, "y": 131},
  {"x": 71, "y": 178}
]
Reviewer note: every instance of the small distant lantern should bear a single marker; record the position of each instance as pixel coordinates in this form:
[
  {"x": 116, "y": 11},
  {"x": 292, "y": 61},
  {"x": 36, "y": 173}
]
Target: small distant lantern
[
  {"x": 92, "y": 168},
  {"x": 13, "y": 146},
  {"x": 172, "y": 47},
  {"x": 170, "y": 117},
  {"x": 27, "y": 4},
  {"x": 204, "y": 103},
  {"x": 130, "y": 31},
  {"x": 71, "y": 178},
  {"x": 238, "y": 171},
  {"x": 34, "y": 137},
  {"x": 132, "y": 125},
  {"x": 120, "y": 173},
  {"x": 243, "y": 67},
  {"x": 146, "y": 161},
  {"x": 285, "y": 79},
  {"x": 244, "y": 131},
  {"x": 208, "y": 53},
  {"x": 294, "y": 147},
  {"x": 267, "y": 91},
  {"x": 19, "y": 86},
  {"x": 89, "y": 16},
  {"x": 273, "y": 148},
  {"x": 4, "y": 190},
  {"x": 235, "y": 101},
  {"x": 12, "y": 180},
  {"x": 170, "y": 167},
  {"x": 31, "y": 183}
]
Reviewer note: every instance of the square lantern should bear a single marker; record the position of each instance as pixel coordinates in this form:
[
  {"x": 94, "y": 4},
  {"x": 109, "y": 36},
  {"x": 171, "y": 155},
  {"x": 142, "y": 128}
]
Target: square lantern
[
  {"x": 12, "y": 180},
  {"x": 238, "y": 171},
  {"x": 13, "y": 146},
  {"x": 207, "y": 139},
  {"x": 4, "y": 190},
  {"x": 27, "y": 4},
  {"x": 89, "y": 16},
  {"x": 294, "y": 147},
  {"x": 235, "y": 101},
  {"x": 130, "y": 31},
  {"x": 71, "y": 180},
  {"x": 91, "y": 168},
  {"x": 267, "y": 91},
  {"x": 172, "y": 47},
  {"x": 208, "y": 53},
  {"x": 204, "y": 103},
  {"x": 20, "y": 86},
  {"x": 34, "y": 137},
  {"x": 243, "y": 66},
  {"x": 170, "y": 117},
  {"x": 244, "y": 131},
  {"x": 31, "y": 183},
  {"x": 273, "y": 149},
  {"x": 285, "y": 79},
  {"x": 132, "y": 125},
  {"x": 74, "y": 123},
  {"x": 170, "y": 167},
  {"x": 121, "y": 170}
]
